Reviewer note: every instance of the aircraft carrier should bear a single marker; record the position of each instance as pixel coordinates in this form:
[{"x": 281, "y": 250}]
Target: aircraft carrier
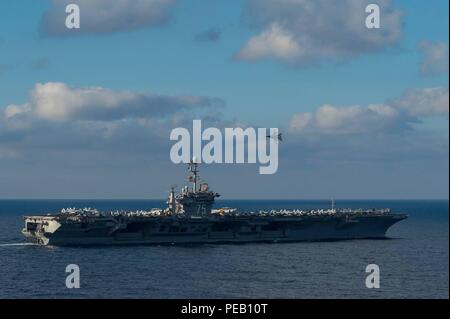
[{"x": 190, "y": 218}]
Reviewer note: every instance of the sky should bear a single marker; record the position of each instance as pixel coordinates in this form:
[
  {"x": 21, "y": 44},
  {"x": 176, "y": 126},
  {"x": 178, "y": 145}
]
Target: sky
[{"x": 87, "y": 113}]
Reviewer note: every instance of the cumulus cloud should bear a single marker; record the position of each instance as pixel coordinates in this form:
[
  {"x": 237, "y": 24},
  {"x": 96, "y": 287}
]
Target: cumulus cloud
[
  {"x": 302, "y": 32},
  {"x": 59, "y": 102},
  {"x": 274, "y": 42},
  {"x": 395, "y": 115},
  {"x": 435, "y": 57},
  {"x": 105, "y": 16},
  {"x": 390, "y": 145},
  {"x": 424, "y": 102},
  {"x": 344, "y": 120}
]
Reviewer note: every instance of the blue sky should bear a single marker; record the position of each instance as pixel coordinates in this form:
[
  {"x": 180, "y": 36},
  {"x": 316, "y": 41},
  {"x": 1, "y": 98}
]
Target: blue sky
[{"x": 168, "y": 59}]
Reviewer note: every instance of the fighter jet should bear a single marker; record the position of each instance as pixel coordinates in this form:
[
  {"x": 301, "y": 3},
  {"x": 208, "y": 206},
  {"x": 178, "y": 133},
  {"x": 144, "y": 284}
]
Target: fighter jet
[{"x": 276, "y": 137}]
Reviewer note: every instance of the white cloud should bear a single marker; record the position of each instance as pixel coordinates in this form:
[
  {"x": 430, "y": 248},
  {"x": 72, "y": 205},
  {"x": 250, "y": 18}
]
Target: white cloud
[
  {"x": 13, "y": 110},
  {"x": 67, "y": 120},
  {"x": 395, "y": 114},
  {"x": 301, "y": 32},
  {"x": 344, "y": 120},
  {"x": 424, "y": 102},
  {"x": 435, "y": 57},
  {"x": 274, "y": 42},
  {"x": 104, "y": 16},
  {"x": 58, "y": 102}
]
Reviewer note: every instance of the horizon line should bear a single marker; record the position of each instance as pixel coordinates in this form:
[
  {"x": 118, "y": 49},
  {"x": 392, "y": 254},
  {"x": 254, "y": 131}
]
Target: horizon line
[{"x": 232, "y": 199}]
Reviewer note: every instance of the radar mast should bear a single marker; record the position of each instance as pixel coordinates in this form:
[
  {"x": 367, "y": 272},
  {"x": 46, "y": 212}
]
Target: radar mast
[{"x": 193, "y": 168}]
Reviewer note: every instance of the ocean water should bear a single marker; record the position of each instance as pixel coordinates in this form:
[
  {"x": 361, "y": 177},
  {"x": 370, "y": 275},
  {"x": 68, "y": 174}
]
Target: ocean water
[{"x": 414, "y": 261}]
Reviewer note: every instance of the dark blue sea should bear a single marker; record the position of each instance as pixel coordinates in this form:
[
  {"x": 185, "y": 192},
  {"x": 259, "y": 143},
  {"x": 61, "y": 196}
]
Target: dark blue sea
[{"x": 414, "y": 261}]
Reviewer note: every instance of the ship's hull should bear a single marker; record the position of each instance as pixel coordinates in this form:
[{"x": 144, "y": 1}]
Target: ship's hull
[{"x": 213, "y": 230}]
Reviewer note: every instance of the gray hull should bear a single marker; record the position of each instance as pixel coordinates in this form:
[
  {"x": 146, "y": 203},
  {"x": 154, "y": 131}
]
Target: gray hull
[{"x": 165, "y": 230}]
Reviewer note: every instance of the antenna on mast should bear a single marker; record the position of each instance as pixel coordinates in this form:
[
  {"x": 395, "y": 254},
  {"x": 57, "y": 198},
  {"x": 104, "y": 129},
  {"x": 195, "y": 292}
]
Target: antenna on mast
[{"x": 193, "y": 168}]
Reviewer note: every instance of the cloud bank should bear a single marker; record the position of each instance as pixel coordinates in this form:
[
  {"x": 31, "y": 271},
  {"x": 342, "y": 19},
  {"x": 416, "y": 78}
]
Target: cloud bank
[
  {"x": 59, "y": 117},
  {"x": 396, "y": 114},
  {"x": 99, "y": 142}
]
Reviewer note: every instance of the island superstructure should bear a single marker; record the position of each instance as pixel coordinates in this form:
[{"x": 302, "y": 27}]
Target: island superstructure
[{"x": 190, "y": 218}]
